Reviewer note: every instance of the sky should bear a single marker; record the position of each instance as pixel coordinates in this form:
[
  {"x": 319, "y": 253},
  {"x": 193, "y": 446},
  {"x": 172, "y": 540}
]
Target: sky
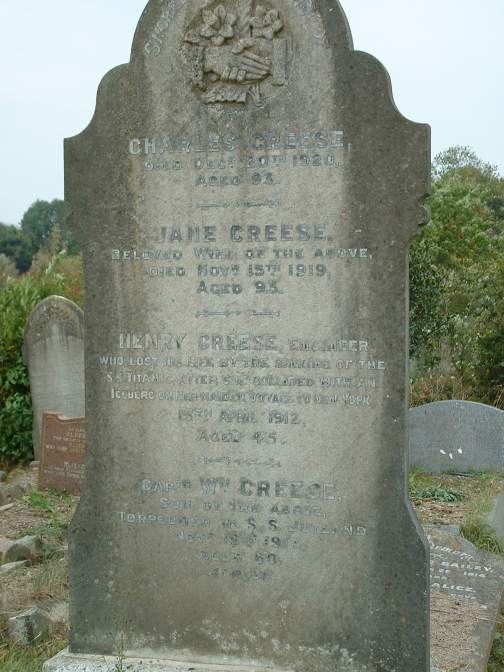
[{"x": 445, "y": 58}]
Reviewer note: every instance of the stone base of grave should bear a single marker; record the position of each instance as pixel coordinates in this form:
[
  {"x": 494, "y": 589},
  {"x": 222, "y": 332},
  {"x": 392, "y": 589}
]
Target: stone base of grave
[{"x": 78, "y": 662}]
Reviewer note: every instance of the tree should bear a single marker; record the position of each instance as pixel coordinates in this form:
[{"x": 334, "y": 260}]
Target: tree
[
  {"x": 44, "y": 224},
  {"x": 463, "y": 160},
  {"x": 457, "y": 271},
  {"x": 39, "y": 220},
  {"x": 7, "y": 269},
  {"x": 428, "y": 320},
  {"x": 15, "y": 245}
]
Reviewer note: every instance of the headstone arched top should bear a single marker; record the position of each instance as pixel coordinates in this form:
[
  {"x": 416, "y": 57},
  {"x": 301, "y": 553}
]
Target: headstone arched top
[
  {"x": 50, "y": 312},
  {"x": 53, "y": 351},
  {"x": 234, "y": 66}
]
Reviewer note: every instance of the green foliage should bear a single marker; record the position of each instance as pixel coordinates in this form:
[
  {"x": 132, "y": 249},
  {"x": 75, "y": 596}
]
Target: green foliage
[
  {"x": 39, "y": 500},
  {"x": 496, "y": 662},
  {"x": 482, "y": 535},
  {"x": 464, "y": 160},
  {"x": 40, "y": 219},
  {"x": 428, "y": 323},
  {"x": 457, "y": 275},
  {"x": 16, "y": 246},
  {"x": 7, "y": 269},
  {"x": 44, "y": 225},
  {"x": 489, "y": 367},
  {"x": 29, "y": 659},
  {"x": 440, "y": 494},
  {"x": 17, "y": 299},
  {"x": 57, "y": 509},
  {"x": 423, "y": 486}
]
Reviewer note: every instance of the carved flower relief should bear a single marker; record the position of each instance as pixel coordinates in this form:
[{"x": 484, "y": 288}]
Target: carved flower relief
[
  {"x": 234, "y": 50},
  {"x": 265, "y": 24},
  {"x": 218, "y": 25}
]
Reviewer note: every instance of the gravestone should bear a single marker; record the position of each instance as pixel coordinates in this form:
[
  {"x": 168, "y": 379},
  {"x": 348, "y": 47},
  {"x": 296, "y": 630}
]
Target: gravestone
[
  {"x": 467, "y": 587},
  {"x": 245, "y": 196},
  {"x": 62, "y": 453},
  {"x": 53, "y": 351},
  {"x": 496, "y": 517},
  {"x": 458, "y": 436}
]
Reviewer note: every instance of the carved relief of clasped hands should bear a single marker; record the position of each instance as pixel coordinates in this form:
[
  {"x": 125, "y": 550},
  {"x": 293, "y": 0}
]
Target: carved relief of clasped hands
[{"x": 236, "y": 63}]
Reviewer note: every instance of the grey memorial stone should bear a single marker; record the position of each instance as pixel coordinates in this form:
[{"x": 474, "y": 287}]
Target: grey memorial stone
[
  {"x": 245, "y": 196},
  {"x": 54, "y": 353},
  {"x": 496, "y": 517},
  {"x": 467, "y": 587},
  {"x": 457, "y": 435}
]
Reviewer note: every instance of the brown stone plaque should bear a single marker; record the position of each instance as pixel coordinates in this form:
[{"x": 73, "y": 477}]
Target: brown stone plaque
[{"x": 63, "y": 453}]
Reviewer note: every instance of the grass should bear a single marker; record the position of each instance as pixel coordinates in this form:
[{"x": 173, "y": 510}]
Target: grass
[
  {"x": 482, "y": 535},
  {"x": 20, "y": 659},
  {"x": 476, "y": 489},
  {"x": 39, "y": 500},
  {"x": 496, "y": 662},
  {"x": 56, "y": 510},
  {"x": 424, "y": 486},
  {"x": 44, "y": 584}
]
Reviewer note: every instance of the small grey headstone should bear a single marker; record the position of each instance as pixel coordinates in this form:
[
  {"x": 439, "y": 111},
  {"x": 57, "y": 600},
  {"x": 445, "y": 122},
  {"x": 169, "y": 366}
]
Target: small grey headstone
[
  {"x": 10, "y": 567},
  {"x": 456, "y": 436},
  {"x": 27, "y": 548},
  {"x": 30, "y": 627},
  {"x": 245, "y": 197},
  {"x": 54, "y": 353},
  {"x": 467, "y": 587},
  {"x": 496, "y": 517}
]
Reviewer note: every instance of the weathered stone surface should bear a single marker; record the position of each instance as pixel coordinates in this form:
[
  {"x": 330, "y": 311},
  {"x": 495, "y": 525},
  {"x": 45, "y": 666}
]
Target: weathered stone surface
[
  {"x": 4, "y": 544},
  {"x": 467, "y": 587},
  {"x": 3, "y": 476},
  {"x": 54, "y": 353},
  {"x": 66, "y": 662},
  {"x": 6, "y": 507},
  {"x": 29, "y": 628},
  {"x": 496, "y": 517},
  {"x": 27, "y": 548},
  {"x": 58, "y": 613},
  {"x": 10, "y": 567},
  {"x": 4, "y": 493},
  {"x": 62, "y": 453},
  {"x": 457, "y": 435},
  {"x": 17, "y": 490},
  {"x": 245, "y": 196}
]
